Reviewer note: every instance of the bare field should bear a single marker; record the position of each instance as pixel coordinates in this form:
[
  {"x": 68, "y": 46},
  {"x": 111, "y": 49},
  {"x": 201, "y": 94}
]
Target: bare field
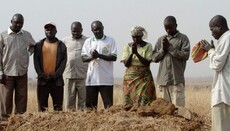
[{"x": 117, "y": 119}]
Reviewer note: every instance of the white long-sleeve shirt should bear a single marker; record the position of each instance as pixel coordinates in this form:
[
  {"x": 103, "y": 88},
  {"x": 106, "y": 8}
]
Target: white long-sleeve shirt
[{"x": 220, "y": 63}]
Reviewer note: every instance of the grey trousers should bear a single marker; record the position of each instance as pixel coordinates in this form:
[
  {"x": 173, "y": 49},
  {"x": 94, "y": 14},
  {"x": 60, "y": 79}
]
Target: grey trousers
[
  {"x": 17, "y": 84},
  {"x": 75, "y": 88}
]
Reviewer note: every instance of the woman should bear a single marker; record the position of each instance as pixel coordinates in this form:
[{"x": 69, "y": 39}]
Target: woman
[{"x": 138, "y": 84}]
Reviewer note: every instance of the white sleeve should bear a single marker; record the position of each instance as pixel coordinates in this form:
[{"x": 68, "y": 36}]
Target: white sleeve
[
  {"x": 113, "y": 48},
  {"x": 219, "y": 55},
  {"x": 86, "y": 48}
]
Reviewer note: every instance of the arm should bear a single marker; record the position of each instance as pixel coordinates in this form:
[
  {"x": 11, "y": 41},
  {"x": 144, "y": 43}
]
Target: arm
[
  {"x": 145, "y": 60},
  {"x": 158, "y": 52},
  {"x": 141, "y": 59},
  {"x": 127, "y": 55},
  {"x": 111, "y": 56},
  {"x": 1, "y": 54},
  {"x": 86, "y": 58},
  {"x": 37, "y": 62},
  {"x": 96, "y": 55},
  {"x": 31, "y": 44},
  {"x": 219, "y": 56},
  {"x": 108, "y": 58},
  {"x": 128, "y": 62},
  {"x": 2, "y": 81},
  {"x": 85, "y": 52},
  {"x": 63, "y": 60}
]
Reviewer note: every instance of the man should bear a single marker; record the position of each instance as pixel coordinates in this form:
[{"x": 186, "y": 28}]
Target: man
[
  {"x": 16, "y": 45},
  {"x": 172, "y": 51},
  {"x": 220, "y": 63},
  {"x": 75, "y": 72},
  {"x": 50, "y": 58},
  {"x": 100, "y": 51}
]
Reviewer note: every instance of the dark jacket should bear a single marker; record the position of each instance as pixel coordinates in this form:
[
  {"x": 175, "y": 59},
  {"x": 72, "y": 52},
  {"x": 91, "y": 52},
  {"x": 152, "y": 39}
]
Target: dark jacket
[{"x": 60, "y": 63}]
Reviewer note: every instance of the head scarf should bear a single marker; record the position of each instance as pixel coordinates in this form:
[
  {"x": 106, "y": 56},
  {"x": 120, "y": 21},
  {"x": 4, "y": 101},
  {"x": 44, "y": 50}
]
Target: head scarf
[{"x": 139, "y": 31}]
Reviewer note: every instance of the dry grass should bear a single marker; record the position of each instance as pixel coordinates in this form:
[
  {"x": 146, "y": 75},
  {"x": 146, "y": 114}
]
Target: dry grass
[{"x": 197, "y": 100}]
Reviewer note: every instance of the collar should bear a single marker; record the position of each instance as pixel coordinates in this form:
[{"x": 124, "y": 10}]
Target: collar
[
  {"x": 223, "y": 35},
  {"x": 9, "y": 31},
  {"x": 82, "y": 36},
  {"x": 103, "y": 38},
  {"x": 168, "y": 35}
]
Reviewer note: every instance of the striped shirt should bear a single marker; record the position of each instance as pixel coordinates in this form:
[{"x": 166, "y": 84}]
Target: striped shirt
[{"x": 15, "y": 49}]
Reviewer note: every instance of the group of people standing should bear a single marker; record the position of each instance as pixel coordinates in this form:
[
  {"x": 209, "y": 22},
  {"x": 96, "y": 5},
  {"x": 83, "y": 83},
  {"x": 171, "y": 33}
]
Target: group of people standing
[
  {"x": 83, "y": 67},
  {"x": 77, "y": 66}
]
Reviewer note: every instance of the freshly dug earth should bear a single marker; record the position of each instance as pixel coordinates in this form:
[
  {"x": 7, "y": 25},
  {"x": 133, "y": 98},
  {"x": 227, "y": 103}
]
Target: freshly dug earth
[{"x": 157, "y": 116}]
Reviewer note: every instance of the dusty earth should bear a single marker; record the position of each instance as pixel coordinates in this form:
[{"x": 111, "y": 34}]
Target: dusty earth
[{"x": 157, "y": 116}]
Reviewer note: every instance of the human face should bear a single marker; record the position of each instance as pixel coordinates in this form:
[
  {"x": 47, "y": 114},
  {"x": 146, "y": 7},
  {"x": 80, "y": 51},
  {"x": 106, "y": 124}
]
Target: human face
[
  {"x": 76, "y": 31},
  {"x": 17, "y": 23},
  {"x": 170, "y": 27},
  {"x": 97, "y": 30},
  {"x": 137, "y": 39},
  {"x": 50, "y": 32},
  {"x": 215, "y": 29}
]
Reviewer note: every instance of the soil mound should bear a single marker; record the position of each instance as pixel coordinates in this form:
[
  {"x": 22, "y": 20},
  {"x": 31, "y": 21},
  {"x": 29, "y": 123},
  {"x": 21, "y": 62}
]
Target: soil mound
[{"x": 157, "y": 116}]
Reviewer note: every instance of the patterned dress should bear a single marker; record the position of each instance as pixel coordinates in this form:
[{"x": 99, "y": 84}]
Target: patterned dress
[{"x": 138, "y": 83}]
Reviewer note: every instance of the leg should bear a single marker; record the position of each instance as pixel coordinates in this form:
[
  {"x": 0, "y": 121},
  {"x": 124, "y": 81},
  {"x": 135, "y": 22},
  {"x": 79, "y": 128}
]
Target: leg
[
  {"x": 57, "y": 96},
  {"x": 6, "y": 93},
  {"x": 21, "y": 92},
  {"x": 81, "y": 92},
  {"x": 107, "y": 95},
  {"x": 42, "y": 96},
  {"x": 91, "y": 97},
  {"x": 70, "y": 93},
  {"x": 178, "y": 95},
  {"x": 220, "y": 117},
  {"x": 165, "y": 92}
]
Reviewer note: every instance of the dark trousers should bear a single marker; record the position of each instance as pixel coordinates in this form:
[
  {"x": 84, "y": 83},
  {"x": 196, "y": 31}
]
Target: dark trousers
[
  {"x": 92, "y": 96},
  {"x": 17, "y": 84},
  {"x": 56, "y": 93}
]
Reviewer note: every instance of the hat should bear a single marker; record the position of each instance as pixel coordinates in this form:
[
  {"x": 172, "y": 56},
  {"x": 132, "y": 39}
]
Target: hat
[
  {"x": 49, "y": 24},
  {"x": 198, "y": 54}
]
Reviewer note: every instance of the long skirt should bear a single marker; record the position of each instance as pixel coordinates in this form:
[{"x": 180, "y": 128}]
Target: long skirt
[{"x": 138, "y": 86}]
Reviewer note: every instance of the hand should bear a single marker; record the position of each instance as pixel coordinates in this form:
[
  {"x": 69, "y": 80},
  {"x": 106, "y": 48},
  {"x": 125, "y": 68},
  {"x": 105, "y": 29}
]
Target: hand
[
  {"x": 134, "y": 48},
  {"x": 206, "y": 46},
  {"x": 42, "y": 76},
  {"x": 95, "y": 54},
  {"x": 165, "y": 43},
  {"x": 50, "y": 78}
]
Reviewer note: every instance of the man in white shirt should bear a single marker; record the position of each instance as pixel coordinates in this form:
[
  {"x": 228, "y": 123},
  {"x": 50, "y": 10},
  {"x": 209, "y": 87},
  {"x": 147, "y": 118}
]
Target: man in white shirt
[
  {"x": 220, "y": 63},
  {"x": 100, "y": 51}
]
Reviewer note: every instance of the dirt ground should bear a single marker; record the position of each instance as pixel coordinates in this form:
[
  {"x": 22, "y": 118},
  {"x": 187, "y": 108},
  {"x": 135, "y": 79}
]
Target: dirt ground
[{"x": 157, "y": 116}]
